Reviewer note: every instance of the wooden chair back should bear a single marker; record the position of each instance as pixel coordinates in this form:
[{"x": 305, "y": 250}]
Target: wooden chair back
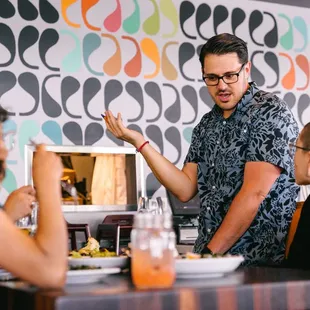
[{"x": 293, "y": 227}]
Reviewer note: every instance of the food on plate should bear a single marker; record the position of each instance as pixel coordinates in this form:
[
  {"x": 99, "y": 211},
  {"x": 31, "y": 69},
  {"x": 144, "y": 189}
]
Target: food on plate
[
  {"x": 91, "y": 246},
  {"x": 104, "y": 253},
  {"x": 190, "y": 255},
  {"x": 216, "y": 255},
  {"x": 91, "y": 249}
]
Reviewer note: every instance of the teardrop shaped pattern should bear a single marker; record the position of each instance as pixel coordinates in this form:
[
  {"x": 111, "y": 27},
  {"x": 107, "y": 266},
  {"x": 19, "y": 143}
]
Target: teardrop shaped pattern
[
  {"x": 30, "y": 83},
  {"x": 93, "y": 133},
  {"x": 48, "y": 12},
  {"x": 288, "y": 81},
  {"x": 131, "y": 24},
  {"x": 112, "y": 90},
  {"x": 302, "y": 106},
  {"x": 256, "y": 19},
  {"x": 271, "y": 38},
  {"x": 151, "y": 25},
  {"x": 69, "y": 86},
  {"x": 28, "y": 129},
  {"x": 287, "y": 40},
  {"x": 169, "y": 10},
  {"x": 53, "y": 131},
  {"x": 7, "y": 9},
  {"x": 113, "y": 65},
  {"x": 48, "y": 39},
  {"x": 73, "y": 132},
  {"x": 7, "y": 39},
  {"x": 134, "y": 89},
  {"x": 173, "y": 113},
  {"x": 134, "y": 65},
  {"x": 173, "y": 136},
  {"x": 113, "y": 22}
]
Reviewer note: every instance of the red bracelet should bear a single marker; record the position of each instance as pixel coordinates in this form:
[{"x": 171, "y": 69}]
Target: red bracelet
[{"x": 141, "y": 147}]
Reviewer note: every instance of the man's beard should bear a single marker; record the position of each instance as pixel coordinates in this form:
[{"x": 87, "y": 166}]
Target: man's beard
[{"x": 2, "y": 169}]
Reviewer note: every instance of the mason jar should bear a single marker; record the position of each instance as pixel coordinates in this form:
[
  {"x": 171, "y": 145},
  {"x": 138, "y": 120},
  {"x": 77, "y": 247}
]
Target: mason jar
[{"x": 152, "y": 251}]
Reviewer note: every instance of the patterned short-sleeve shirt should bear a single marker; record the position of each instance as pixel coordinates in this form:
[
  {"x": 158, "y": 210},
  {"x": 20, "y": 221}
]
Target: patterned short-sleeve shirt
[{"x": 260, "y": 129}]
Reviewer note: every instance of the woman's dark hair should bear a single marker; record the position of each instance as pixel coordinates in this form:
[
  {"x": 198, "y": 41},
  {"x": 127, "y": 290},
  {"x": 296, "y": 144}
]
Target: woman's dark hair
[
  {"x": 305, "y": 136},
  {"x": 3, "y": 115},
  {"x": 222, "y": 44},
  {"x": 3, "y": 118}
]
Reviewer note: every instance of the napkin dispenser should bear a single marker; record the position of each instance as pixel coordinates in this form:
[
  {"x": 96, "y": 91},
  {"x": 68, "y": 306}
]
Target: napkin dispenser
[
  {"x": 187, "y": 234},
  {"x": 186, "y": 230}
]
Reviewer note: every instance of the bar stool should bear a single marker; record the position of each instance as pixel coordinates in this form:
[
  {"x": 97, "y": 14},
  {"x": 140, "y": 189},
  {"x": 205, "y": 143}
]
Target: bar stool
[
  {"x": 73, "y": 229},
  {"x": 111, "y": 234},
  {"x": 115, "y": 230}
]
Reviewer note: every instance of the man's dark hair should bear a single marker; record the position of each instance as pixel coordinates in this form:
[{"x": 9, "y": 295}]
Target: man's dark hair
[
  {"x": 3, "y": 115},
  {"x": 305, "y": 136},
  {"x": 222, "y": 44}
]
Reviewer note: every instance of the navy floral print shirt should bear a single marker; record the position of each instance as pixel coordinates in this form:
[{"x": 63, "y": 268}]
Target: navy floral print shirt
[{"x": 260, "y": 129}]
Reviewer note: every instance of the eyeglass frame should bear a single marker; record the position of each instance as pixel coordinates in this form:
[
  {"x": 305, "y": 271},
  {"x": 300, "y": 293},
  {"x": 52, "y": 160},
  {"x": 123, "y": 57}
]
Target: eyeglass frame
[
  {"x": 223, "y": 76},
  {"x": 7, "y": 133},
  {"x": 292, "y": 145}
]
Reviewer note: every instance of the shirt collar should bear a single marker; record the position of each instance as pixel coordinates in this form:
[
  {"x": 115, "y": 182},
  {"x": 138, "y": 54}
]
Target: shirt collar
[{"x": 246, "y": 98}]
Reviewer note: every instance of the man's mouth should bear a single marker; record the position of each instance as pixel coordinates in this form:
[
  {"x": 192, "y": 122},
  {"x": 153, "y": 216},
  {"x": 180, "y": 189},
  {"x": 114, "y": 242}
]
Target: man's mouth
[{"x": 224, "y": 97}]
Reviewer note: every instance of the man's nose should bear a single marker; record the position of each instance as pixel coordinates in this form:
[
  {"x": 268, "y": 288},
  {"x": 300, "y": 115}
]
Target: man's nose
[{"x": 221, "y": 85}]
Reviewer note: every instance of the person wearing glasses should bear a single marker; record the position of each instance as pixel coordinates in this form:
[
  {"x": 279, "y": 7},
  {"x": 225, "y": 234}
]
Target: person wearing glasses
[
  {"x": 42, "y": 259},
  {"x": 297, "y": 255},
  {"x": 19, "y": 202},
  {"x": 238, "y": 160}
]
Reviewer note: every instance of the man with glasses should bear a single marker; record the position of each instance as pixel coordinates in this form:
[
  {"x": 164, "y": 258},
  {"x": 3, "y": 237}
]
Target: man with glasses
[
  {"x": 297, "y": 256},
  {"x": 238, "y": 160}
]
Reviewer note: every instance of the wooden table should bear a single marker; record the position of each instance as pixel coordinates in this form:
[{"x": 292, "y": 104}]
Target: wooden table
[{"x": 248, "y": 288}]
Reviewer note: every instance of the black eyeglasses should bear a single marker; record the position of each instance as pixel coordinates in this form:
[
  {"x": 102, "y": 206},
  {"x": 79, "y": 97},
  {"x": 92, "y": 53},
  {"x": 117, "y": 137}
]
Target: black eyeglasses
[
  {"x": 9, "y": 139},
  {"x": 293, "y": 148},
  {"x": 229, "y": 78}
]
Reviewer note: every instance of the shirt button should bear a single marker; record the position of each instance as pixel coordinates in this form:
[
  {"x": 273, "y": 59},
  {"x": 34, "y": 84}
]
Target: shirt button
[
  {"x": 208, "y": 230},
  {"x": 224, "y": 123}
]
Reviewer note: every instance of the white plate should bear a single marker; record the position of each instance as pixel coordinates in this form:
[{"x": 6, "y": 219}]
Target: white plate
[
  {"x": 206, "y": 267},
  {"x": 103, "y": 262},
  {"x": 89, "y": 276},
  {"x": 230, "y": 278}
]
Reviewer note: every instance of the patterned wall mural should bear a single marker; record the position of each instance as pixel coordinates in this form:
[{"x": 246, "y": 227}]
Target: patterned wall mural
[{"x": 63, "y": 62}]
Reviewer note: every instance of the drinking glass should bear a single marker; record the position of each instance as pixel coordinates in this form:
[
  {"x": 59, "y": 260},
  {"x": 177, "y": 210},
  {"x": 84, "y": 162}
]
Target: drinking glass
[
  {"x": 29, "y": 223},
  {"x": 152, "y": 251},
  {"x": 143, "y": 205},
  {"x": 151, "y": 205}
]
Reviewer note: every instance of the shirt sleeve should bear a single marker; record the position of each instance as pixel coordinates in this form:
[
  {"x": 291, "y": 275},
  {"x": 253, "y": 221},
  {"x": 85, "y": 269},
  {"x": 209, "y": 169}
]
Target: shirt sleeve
[{"x": 271, "y": 133}]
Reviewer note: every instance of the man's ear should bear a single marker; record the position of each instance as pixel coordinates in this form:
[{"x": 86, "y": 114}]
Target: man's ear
[
  {"x": 247, "y": 69},
  {"x": 308, "y": 164}
]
